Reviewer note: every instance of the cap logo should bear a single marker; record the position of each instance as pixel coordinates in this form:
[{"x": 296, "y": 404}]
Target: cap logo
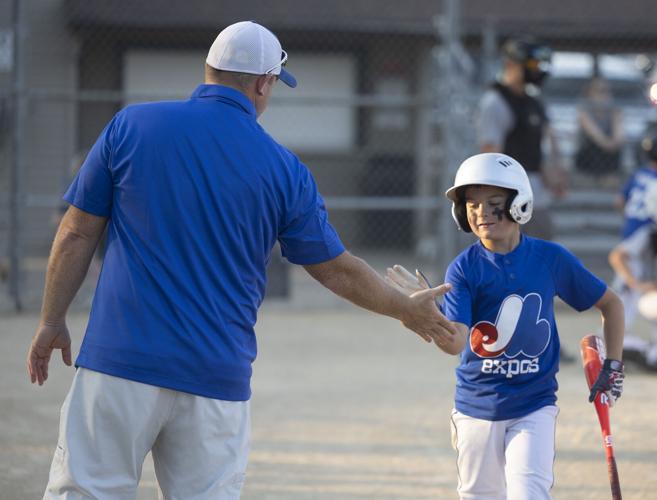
[{"x": 505, "y": 163}]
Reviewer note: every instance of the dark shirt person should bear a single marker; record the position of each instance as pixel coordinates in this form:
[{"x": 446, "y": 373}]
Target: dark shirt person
[{"x": 512, "y": 120}]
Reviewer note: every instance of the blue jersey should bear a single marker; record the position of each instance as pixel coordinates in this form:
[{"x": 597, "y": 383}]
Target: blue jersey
[
  {"x": 509, "y": 364},
  {"x": 197, "y": 194},
  {"x": 641, "y": 184}
]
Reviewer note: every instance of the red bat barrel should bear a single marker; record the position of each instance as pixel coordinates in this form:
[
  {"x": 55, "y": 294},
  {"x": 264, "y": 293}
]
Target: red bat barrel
[{"x": 593, "y": 353}]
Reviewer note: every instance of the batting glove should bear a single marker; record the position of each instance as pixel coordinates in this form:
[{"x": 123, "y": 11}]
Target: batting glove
[{"x": 609, "y": 381}]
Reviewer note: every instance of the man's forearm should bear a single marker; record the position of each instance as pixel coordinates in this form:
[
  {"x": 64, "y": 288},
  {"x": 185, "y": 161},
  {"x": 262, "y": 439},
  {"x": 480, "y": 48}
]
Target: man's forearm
[
  {"x": 354, "y": 280},
  {"x": 69, "y": 261}
]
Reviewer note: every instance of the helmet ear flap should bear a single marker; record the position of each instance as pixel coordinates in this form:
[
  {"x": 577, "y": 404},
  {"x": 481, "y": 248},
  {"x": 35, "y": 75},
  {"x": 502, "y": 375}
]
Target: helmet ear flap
[
  {"x": 461, "y": 216},
  {"x": 507, "y": 206}
]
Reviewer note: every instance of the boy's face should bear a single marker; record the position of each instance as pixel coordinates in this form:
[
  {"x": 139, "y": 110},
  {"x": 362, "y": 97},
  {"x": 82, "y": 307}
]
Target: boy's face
[{"x": 486, "y": 213}]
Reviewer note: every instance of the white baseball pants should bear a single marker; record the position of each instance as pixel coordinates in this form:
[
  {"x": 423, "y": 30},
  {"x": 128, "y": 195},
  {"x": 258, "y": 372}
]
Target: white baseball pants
[
  {"x": 505, "y": 459},
  {"x": 108, "y": 425}
]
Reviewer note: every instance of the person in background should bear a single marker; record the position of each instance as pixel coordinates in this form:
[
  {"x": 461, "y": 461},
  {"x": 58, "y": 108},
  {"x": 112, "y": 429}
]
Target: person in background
[
  {"x": 600, "y": 136},
  {"x": 633, "y": 259},
  {"x": 634, "y": 198},
  {"x": 512, "y": 120}
]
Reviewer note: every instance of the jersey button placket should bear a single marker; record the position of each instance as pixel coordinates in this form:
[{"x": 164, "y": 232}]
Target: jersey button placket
[{"x": 507, "y": 265}]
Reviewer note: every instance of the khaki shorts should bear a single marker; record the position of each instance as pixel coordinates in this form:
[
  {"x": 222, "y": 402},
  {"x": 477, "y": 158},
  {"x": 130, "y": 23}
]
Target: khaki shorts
[{"x": 108, "y": 425}]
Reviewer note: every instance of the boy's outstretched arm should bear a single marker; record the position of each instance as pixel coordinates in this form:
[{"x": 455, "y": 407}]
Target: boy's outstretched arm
[
  {"x": 618, "y": 260},
  {"x": 613, "y": 323},
  {"x": 610, "y": 379},
  {"x": 457, "y": 342}
]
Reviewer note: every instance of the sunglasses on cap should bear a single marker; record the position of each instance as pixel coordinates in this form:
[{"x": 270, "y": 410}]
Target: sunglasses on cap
[
  {"x": 279, "y": 64},
  {"x": 284, "y": 75}
]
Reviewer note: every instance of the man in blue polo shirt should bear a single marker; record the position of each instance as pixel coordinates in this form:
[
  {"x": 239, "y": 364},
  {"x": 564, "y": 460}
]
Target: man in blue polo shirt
[{"x": 194, "y": 195}]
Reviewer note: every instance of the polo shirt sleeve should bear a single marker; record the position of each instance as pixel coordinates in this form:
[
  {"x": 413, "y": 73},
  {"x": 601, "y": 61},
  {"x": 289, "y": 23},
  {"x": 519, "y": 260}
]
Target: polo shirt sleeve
[
  {"x": 576, "y": 285},
  {"x": 306, "y": 236},
  {"x": 92, "y": 188},
  {"x": 457, "y": 304}
]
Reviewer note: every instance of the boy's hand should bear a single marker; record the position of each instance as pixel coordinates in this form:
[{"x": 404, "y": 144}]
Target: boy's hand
[
  {"x": 609, "y": 381},
  {"x": 402, "y": 279},
  {"x": 425, "y": 318}
]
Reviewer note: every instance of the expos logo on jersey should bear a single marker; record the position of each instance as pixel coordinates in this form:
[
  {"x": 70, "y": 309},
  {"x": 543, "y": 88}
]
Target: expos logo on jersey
[{"x": 518, "y": 330}]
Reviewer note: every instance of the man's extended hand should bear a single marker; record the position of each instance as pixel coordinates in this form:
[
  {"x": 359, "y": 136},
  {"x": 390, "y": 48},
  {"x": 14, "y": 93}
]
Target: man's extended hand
[
  {"x": 425, "y": 318},
  {"x": 47, "y": 338},
  {"x": 427, "y": 321}
]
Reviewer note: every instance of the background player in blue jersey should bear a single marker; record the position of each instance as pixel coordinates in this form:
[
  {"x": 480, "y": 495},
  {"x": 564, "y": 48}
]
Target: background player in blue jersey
[
  {"x": 194, "y": 195},
  {"x": 641, "y": 186},
  {"x": 501, "y": 302},
  {"x": 633, "y": 261}
]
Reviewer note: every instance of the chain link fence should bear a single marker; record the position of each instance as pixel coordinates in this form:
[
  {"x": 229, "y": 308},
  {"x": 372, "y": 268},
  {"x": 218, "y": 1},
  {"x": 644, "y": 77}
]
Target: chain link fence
[{"x": 383, "y": 114}]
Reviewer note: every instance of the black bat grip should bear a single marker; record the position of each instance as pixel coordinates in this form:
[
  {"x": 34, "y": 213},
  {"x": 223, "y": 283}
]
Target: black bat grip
[{"x": 613, "y": 479}]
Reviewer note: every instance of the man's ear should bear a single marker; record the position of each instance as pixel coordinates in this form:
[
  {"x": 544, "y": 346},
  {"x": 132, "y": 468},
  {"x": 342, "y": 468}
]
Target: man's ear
[{"x": 261, "y": 83}]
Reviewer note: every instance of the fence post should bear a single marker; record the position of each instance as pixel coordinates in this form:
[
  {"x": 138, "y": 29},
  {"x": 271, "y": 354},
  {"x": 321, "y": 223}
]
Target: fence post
[
  {"x": 455, "y": 106},
  {"x": 16, "y": 197}
]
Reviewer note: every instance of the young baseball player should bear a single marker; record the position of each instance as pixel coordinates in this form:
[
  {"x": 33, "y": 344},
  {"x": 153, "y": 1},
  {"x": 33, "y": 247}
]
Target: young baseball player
[
  {"x": 640, "y": 187},
  {"x": 501, "y": 302},
  {"x": 633, "y": 260}
]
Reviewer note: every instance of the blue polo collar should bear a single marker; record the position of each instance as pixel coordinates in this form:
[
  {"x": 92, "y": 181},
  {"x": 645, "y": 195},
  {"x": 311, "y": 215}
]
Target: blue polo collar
[
  {"x": 223, "y": 93},
  {"x": 518, "y": 252}
]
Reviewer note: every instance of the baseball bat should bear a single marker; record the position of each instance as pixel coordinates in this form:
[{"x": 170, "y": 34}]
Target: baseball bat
[{"x": 592, "y": 349}]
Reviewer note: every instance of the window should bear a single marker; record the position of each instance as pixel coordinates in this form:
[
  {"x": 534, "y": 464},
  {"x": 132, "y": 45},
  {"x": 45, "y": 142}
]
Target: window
[
  {"x": 324, "y": 120},
  {"x": 317, "y": 116}
]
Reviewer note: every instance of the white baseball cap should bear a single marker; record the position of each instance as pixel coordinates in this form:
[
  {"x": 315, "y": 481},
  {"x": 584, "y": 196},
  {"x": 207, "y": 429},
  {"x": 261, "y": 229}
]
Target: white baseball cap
[{"x": 247, "y": 47}]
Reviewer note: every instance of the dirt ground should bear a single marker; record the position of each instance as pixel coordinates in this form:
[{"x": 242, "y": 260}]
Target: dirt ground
[{"x": 346, "y": 405}]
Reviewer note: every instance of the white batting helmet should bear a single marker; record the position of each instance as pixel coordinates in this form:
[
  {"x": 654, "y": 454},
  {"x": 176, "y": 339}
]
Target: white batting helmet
[{"x": 492, "y": 169}]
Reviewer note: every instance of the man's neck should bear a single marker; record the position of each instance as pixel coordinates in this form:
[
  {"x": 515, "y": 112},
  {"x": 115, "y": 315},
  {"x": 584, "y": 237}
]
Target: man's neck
[
  {"x": 514, "y": 85},
  {"x": 249, "y": 93}
]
